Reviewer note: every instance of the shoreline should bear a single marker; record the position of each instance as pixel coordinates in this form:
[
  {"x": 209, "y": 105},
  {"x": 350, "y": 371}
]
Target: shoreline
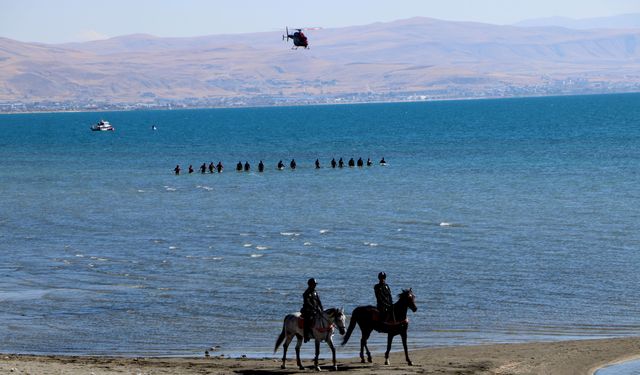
[
  {"x": 285, "y": 105},
  {"x": 557, "y": 357}
]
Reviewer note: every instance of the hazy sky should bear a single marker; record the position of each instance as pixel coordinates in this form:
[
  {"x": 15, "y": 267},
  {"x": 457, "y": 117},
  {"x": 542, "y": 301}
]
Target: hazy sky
[{"x": 52, "y": 21}]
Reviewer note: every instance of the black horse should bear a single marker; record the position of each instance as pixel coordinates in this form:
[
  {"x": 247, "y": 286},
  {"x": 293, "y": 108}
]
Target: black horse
[{"x": 368, "y": 319}]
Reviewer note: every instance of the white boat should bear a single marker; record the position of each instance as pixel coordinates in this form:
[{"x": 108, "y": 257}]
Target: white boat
[{"x": 102, "y": 126}]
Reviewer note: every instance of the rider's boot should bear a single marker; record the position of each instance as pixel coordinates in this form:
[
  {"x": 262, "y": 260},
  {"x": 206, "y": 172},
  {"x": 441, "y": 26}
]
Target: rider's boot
[{"x": 306, "y": 332}]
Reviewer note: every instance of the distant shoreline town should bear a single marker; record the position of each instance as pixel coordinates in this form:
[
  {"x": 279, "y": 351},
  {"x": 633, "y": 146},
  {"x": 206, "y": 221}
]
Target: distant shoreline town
[{"x": 267, "y": 101}]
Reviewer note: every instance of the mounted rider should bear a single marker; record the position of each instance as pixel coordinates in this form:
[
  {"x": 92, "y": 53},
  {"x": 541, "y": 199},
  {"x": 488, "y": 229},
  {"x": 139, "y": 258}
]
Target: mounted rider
[
  {"x": 384, "y": 298},
  {"x": 311, "y": 308}
]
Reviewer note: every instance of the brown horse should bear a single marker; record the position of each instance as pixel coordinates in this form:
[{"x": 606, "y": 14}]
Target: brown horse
[{"x": 368, "y": 319}]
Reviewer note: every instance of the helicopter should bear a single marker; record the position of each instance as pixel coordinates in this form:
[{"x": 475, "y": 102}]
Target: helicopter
[{"x": 298, "y": 37}]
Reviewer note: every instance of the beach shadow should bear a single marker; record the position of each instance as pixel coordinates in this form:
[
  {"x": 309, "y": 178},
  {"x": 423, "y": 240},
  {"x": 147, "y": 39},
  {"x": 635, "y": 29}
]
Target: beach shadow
[{"x": 294, "y": 370}]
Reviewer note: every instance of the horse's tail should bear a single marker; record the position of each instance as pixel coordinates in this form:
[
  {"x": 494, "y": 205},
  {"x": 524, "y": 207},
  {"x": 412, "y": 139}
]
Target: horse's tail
[
  {"x": 280, "y": 339},
  {"x": 352, "y": 325}
]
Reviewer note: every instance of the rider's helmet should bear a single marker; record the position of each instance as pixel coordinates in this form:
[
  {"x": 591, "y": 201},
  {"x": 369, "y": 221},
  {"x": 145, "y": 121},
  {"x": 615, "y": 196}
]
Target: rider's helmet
[
  {"x": 382, "y": 276},
  {"x": 312, "y": 282}
]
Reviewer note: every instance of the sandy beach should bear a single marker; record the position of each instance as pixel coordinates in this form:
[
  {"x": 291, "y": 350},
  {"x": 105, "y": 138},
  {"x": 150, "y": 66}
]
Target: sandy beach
[{"x": 558, "y": 358}]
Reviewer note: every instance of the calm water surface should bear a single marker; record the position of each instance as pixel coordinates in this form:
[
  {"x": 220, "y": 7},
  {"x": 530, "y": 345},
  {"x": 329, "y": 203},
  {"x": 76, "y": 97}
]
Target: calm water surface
[{"x": 512, "y": 220}]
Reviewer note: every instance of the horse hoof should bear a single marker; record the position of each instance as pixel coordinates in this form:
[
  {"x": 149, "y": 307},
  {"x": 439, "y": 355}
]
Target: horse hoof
[
  {"x": 335, "y": 368},
  {"x": 283, "y": 366},
  {"x": 362, "y": 360},
  {"x": 301, "y": 368},
  {"x": 386, "y": 362},
  {"x": 318, "y": 368},
  {"x": 410, "y": 363},
  {"x": 369, "y": 360}
]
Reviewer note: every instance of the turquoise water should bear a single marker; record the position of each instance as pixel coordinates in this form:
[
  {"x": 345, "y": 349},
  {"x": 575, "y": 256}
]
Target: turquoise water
[{"x": 512, "y": 220}]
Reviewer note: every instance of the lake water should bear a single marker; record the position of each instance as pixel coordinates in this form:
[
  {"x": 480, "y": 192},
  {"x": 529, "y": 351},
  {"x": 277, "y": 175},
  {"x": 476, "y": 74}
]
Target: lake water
[
  {"x": 512, "y": 220},
  {"x": 625, "y": 368}
]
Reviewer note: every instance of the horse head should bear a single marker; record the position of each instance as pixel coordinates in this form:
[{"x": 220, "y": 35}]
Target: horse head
[
  {"x": 409, "y": 298},
  {"x": 338, "y": 318}
]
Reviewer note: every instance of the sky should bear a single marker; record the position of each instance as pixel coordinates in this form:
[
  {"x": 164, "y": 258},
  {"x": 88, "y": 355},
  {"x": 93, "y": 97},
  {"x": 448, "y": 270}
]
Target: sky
[{"x": 60, "y": 21}]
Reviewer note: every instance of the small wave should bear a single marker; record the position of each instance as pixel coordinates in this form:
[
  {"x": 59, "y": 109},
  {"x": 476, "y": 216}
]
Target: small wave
[
  {"x": 295, "y": 234},
  {"x": 307, "y": 244},
  {"x": 257, "y": 255},
  {"x": 207, "y": 188},
  {"x": 262, "y": 247},
  {"x": 169, "y": 188},
  {"x": 247, "y": 245},
  {"x": 399, "y": 230},
  {"x": 323, "y": 231},
  {"x": 447, "y": 224},
  {"x": 373, "y": 244},
  {"x": 140, "y": 191},
  {"x": 245, "y": 234},
  {"x": 172, "y": 247},
  {"x": 80, "y": 255}
]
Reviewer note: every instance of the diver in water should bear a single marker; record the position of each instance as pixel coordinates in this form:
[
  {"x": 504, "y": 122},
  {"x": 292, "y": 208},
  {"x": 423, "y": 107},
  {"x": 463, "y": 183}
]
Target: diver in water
[
  {"x": 190, "y": 168},
  {"x": 239, "y": 166},
  {"x": 212, "y": 168},
  {"x": 177, "y": 169},
  {"x": 333, "y": 163},
  {"x": 280, "y": 165},
  {"x": 369, "y": 162},
  {"x": 352, "y": 163},
  {"x": 383, "y": 162},
  {"x": 360, "y": 163},
  {"x": 219, "y": 167},
  {"x": 317, "y": 164},
  {"x": 247, "y": 167},
  {"x": 261, "y": 166},
  {"x": 293, "y": 164},
  {"x": 340, "y": 163},
  {"x": 203, "y": 168}
]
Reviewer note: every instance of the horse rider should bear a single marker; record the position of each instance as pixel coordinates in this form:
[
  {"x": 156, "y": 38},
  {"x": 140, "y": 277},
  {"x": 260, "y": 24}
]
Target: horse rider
[
  {"x": 384, "y": 298},
  {"x": 311, "y": 308}
]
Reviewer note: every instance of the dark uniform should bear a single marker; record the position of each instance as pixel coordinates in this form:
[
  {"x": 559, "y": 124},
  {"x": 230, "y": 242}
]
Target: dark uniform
[
  {"x": 384, "y": 298},
  {"x": 311, "y": 308}
]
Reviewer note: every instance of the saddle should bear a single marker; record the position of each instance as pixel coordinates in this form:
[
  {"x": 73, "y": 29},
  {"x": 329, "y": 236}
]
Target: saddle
[{"x": 388, "y": 320}]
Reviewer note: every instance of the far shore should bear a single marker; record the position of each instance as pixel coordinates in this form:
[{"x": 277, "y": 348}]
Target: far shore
[
  {"x": 557, "y": 358},
  {"x": 312, "y": 104}
]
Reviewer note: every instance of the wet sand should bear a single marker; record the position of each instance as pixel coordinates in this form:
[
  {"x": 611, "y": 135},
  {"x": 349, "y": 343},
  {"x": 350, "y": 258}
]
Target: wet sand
[{"x": 557, "y": 358}]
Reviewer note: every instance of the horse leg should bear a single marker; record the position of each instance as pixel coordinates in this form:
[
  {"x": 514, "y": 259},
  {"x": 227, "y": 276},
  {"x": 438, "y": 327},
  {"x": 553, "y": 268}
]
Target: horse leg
[
  {"x": 406, "y": 352},
  {"x": 363, "y": 346},
  {"x": 298, "y": 345},
  {"x": 285, "y": 346},
  {"x": 386, "y": 354},
  {"x": 315, "y": 359},
  {"x": 333, "y": 352}
]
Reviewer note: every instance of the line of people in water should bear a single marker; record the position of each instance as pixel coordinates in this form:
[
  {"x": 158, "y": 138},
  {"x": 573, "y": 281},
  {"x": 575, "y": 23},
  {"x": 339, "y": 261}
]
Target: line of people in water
[{"x": 246, "y": 167}]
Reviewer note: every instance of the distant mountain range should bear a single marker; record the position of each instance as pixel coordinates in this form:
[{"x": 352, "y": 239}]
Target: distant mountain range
[
  {"x": 623, "y": 21},
  {"x": 412, "y": 59}
]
